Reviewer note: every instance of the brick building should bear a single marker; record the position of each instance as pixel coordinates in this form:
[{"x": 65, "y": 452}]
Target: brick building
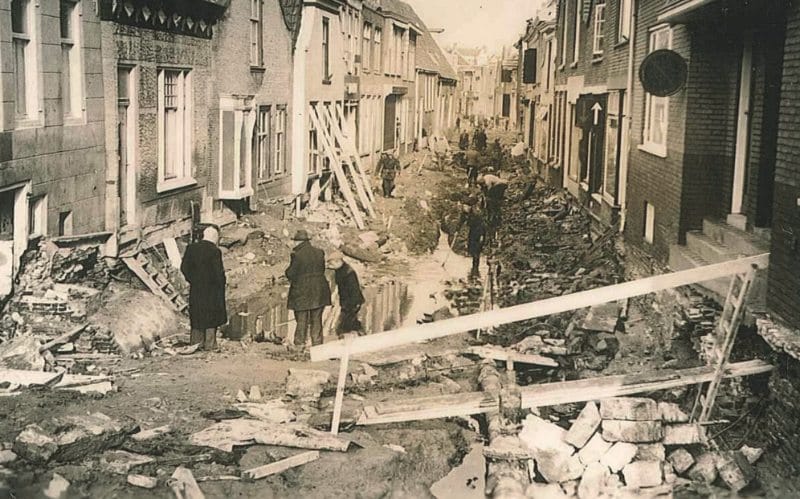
[
  {"x": 436, "y": 82},
  {"x": 591, "y": 80},
  {"x": 51, "y": 125},
  {"x": 158, "y": 80},
  {"x": 251, "y": 103}
]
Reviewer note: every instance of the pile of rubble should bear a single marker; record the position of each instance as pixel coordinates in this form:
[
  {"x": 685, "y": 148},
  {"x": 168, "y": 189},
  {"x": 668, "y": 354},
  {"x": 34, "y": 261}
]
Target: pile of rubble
[{"x": 631, "y": 446}]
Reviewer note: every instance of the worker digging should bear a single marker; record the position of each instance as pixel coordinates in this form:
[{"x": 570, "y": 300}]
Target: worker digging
[{"x": 398, "y": 249}]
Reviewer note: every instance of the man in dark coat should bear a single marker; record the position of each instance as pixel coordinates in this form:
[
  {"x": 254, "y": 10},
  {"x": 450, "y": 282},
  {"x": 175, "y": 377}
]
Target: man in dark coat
[
  {"x": 473, "y": 159},
  {"x": 389, "y": 167},
  {"x": 202, "y": 267},
  {"x": 309, "y": 292},
  {"x": 494, "y": 191},
  {"x": 463, "y": 141},
  {"x": 475, "y": 238},
  {"x": 480, "y": 139},
  {"x": 350, "y": 296}
]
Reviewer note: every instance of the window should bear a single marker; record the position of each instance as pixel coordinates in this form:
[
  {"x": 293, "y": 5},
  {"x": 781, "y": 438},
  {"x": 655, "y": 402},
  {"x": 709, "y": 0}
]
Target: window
[
  {"x": 377, "y": 60},
  {"x": 37, "y": 217},
  {"x": 313, "y": 145},
  {"x": 237, "y": 125},
  {"x": 24, "y": 43},
  {"x": 279, "y": 140},
  {"x": 564, "y": 33},
  {"x": 624, "y": 33},
  {"x": 326, "y": 46},
  {"x": 657, "y": 108},
  {"x": 649, "y": 222},
  {"x": 598, "y": 40},
  {"x": 256, "y": 35},
  {"x": 262, "y": 152},
  {"x": 65, "y": 223},
  {"x": 174, "y": 129},
  {"x": 366, "y": 48},
  {"x": 71, "y": 71},
  {"x": 412, "y": 56},
  {"x": 576, "y": 46}
]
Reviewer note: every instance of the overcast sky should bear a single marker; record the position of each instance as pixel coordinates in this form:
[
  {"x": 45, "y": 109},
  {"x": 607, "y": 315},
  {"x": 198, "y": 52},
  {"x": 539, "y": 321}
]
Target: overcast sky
[{"x": 474, "y": 23}]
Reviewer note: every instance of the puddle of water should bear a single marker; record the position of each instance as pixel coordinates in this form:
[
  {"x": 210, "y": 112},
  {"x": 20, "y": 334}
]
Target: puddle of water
[
  {"x": 472, "y": 471},
  {"x": 388, "y": 305}
]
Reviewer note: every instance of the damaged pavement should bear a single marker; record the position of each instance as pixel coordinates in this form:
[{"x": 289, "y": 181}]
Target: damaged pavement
[{"x": 104, "y": 397}]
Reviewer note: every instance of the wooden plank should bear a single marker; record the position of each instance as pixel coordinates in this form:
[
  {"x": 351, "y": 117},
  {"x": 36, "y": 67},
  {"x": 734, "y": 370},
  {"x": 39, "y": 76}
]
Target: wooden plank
[
  {"x": 357, "y": 158},
  {"x": 336, "y": 166},
  {"x": 479, "y": 399},
  {"x": 337, "y": 405},
  {"x": 506, "y": 356},
  {"x": 76, "y": 382},
  {"x": 280, "y": 466},
  {"x": 563, "y": 392},
  {"x": 542, "y": 308},
  {"x": 173, "y": 253},
  {"x": 184, "y": 486},
  {"x": 64, "y": 338},
  {"x": 357, "y": 181},
  {"x": 137, "y": 268}
]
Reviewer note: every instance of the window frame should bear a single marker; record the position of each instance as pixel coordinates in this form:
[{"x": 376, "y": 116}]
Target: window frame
[
  {"x": 648, "y": 144},
  {"x": 326, "y": 50},
  {"x": 31, "y": 74},
  {"x": 244, "y": 118},
  {"x": 598, "y": 35},
  {"x": 576, "y": 37},
  {"x": 262, "y": 147},
  {"x": 72, "y": 81},
  {"x": 185, "y": 109},
  {"x": 279, "y": 140},
  {"x": 377, "y": 40},
  {"x": 366, "y": 48},
  {"x": 37, "y": 213},
  {"x": 624, "y": 24},
  {"x": 256, "y": 34}
]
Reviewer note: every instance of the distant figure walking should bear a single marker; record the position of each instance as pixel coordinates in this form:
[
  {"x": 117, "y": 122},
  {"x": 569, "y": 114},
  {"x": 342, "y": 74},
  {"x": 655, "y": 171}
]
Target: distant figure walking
[
  {"x": 473, "y": 159},
  {"x": 494, "y": 191},
  {"x": 309, "y": 292},
  {"x": 476, "y": 237},
  {"x": 389, "y": 167},
  {"x": 479, "y": 139},
  {"x": 350, "y": 296},
  {"x": 203, "y": 269},
  {"x": 463, "y": 141}
]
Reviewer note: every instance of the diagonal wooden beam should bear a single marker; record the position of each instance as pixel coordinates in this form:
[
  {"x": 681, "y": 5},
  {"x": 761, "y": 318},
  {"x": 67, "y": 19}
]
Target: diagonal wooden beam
[{"x": 550, "y": 306}]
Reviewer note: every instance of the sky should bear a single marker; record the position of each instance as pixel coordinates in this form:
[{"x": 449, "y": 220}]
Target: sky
[{"x": 474, "y": 23}]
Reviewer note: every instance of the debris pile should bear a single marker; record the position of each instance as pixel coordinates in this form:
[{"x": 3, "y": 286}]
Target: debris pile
[{"x": 627, "y": 445}]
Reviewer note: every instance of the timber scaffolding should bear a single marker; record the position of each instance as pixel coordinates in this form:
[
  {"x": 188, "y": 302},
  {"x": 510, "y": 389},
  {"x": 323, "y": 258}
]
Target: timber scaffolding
[{"x": 742, "y": 272}]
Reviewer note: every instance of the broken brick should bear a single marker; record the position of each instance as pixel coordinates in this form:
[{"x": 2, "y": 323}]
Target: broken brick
[
  {"x": 620, "y": 454},
  {"x": 593, "y": 481},
  {"x": 632, "y": 431},
  {"x": 681, "y": 460},
  {"x": 672, "y": 413},
  {"x": 650, "y": 452},
  {"x": 735, "y": 470},
  {"x": 584, "y": 426},
  {"x": 684, "y": 434},
  {"x": 594, "y": 449},
  {"x": 629, "y": 409},
  {"x": 704, "y": 469},
  {"x": 642, "y": 474}
]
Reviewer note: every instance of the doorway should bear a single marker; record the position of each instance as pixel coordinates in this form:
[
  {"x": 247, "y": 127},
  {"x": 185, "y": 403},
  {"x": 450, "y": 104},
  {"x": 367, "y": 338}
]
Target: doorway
[
  {"x": 126, "y": 140},
  {"x": 389, "y": 122},
  {"x": 14, "y": 217}
]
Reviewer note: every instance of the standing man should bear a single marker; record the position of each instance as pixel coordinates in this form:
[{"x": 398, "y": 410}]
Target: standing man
[
  {"x": 480, "y": 139},
  {"x": 350, "y": 296},
  {"x": 202, "y": 267},
  {"x": 473, "y": 159},
  {"x": 475, "y": 237},
  {"x": 463, "y": 141},
  {"x": 309, "y": 292},
  {"x": 494, "y": 191},
  {"x": 389, "y": 166}
]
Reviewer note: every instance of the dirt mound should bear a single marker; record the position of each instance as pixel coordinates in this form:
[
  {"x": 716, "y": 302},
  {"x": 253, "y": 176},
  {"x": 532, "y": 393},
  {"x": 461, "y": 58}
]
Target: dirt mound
[{"x": 137, "y": 318}]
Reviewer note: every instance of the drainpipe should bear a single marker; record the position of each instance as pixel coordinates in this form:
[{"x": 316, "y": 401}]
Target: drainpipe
[
  {"x": 626, "y": 124},
  {"x": 299, "y": 104}
]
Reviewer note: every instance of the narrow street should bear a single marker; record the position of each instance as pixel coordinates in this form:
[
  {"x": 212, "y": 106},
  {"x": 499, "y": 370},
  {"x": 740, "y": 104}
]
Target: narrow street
[{"x": 399, "y": 249}]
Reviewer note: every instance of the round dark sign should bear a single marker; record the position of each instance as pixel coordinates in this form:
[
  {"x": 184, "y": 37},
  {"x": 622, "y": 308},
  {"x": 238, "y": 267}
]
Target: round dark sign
[{"x": 663, "y": 73}]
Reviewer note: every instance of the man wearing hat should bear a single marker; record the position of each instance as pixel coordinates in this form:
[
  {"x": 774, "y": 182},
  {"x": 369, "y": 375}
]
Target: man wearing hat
[
  {"x": 350, "y": 296},
  {"x": 309, "y": 292},
  {"x": 202, "y": 267}
]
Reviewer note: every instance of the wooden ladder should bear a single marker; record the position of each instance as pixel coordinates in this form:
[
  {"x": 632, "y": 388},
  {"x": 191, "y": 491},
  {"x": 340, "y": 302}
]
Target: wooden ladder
[
  {"x": 725, "y": 336},
  {"x": 155, "y": 280}
]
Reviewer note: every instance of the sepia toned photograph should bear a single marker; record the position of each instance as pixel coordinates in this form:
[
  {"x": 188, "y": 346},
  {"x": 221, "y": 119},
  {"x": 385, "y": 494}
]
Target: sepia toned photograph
[{"x": 399, "y": 249}]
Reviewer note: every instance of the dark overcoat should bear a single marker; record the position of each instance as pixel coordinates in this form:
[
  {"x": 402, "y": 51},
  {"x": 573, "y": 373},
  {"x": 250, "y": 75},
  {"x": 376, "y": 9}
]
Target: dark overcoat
[
  {"x": 202, "y": 267},
  {"x": 308, "y": 288},
  {"x": 476, "y": 235},
  {"x": 350, "y": 295}
]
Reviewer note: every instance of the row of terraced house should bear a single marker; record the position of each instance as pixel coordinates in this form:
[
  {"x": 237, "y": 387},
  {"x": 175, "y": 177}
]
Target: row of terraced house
[
  {"x": 128, "y": 120},
  {"x": 676, "y": 121}
]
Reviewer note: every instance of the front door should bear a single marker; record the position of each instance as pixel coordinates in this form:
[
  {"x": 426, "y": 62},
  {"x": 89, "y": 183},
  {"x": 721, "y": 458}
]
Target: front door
[
  {"x": 389, "y": 123},
  {"x": 6, "y": 242},
  {"x": 126, "y": 136},
  {"x": 742, "y": 125}
]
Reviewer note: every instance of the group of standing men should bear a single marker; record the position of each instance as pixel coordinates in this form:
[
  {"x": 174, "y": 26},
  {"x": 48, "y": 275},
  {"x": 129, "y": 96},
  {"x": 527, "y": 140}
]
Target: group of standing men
[{"x": 309, "y": 291}]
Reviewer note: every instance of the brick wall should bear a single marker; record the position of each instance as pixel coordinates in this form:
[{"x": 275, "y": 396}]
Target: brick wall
[
  {"x": 651, "y": 178},
  {"x": 148, "y": 50},
  {"x": 784, "y": 273},
  {"x": 64, "y": 162},
  {"x": 270, "y": 84}
]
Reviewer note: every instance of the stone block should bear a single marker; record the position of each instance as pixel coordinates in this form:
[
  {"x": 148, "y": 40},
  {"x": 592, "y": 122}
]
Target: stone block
[
  {"x": 7, "y": 456},
  {"x": 594, "y": 449},
  {"x": 34, "y": 444},
  {"x": 306, "y": 383},
  {"x": 704, "y": 469},
  {"x": 681, "y": 460},
  {"x": 650, "y": 452},
  {"x": 684, "y": 434},
  {"x": 632, "y": 431},
  {"x": 557, "y": 468},
  {"x": 593, "y": 481},
  {"x": 752, "y": 454},
  {"x": 619, "y": 455},
  {"x": 642, "y": 474},
  {"x": 629, "y": 409},
  {"x": 672, "y": 413},
  {"x": 545, "y": 491},
  {"x": 584, "y": 426},
  {"x": 735, "y": 470}
]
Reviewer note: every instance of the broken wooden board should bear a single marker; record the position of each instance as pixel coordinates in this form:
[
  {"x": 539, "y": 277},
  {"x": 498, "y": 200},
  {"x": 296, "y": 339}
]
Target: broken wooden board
[
  {"x": 505, "y": 356},
  {"x": 184, "y": 486},
  {"x": 541, "y": 308},
  {"x": 602, "y": 318},
  {"x": 76, "y": 382},
  {"x": 465, "y": 404},
  {"x": 64, "y": 338},
  {"x": 225, "y": 435},
  {"x": 280, "y": 466},
  {"x": 173, "y": 253}
]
